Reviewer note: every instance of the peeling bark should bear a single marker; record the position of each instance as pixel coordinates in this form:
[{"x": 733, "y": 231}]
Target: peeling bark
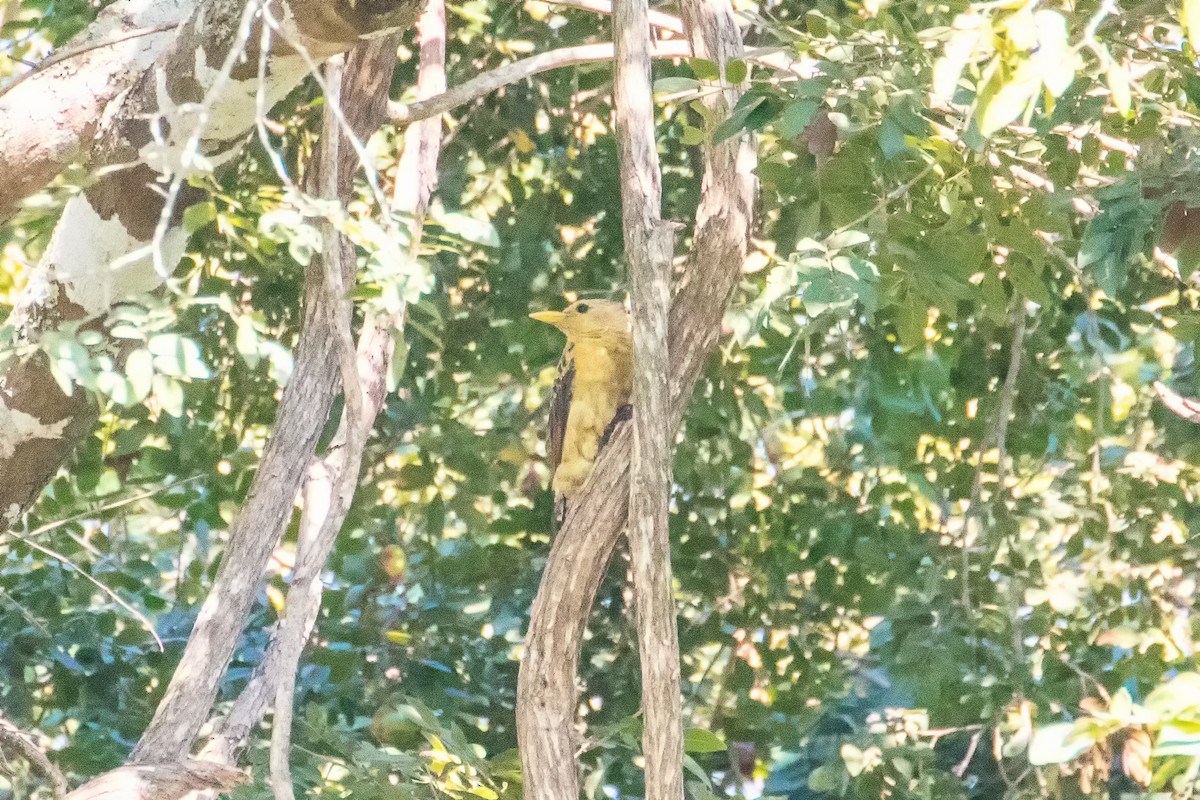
[{"x": 39, "y": 139}]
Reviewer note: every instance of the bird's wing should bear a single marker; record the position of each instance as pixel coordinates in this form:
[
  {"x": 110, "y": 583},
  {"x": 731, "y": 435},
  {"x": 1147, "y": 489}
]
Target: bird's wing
[{"x": 560, "y": 406}]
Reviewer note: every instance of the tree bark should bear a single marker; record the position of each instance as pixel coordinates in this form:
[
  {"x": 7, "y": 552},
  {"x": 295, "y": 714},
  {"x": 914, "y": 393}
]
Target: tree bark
[
  {"x": 649, "y": 243},
  {"x": 169, "y": 781},
  {"x": 39, "y": 139},
  {"x": 302, "y": 414},
  {"x": 584, "y": 544}
]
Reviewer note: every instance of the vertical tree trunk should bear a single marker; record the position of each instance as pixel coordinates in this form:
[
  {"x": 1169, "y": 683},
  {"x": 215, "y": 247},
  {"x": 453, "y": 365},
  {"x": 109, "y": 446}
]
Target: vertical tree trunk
[{"x": 648, "y": 250}]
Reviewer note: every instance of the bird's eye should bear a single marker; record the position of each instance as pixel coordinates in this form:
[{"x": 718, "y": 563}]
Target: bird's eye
[{"x": 582, "y": 308}]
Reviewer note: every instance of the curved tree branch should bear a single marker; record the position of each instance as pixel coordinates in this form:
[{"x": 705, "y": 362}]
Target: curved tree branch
[{"x": 365, "y": 90}]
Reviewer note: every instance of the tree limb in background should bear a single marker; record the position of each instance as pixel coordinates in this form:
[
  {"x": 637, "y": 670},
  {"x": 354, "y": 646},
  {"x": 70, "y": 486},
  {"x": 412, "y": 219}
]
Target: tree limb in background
[
  {"x": 657, "y": 19},
  {"x": 649, "y": 243},
  {"x": 584, "y": 544},
  {"x": 508, "y": 74},
  {"x": 1185, "y": 407},
  {"x": 13, "y": 737},
  {"x": 332, "y": 481},
  {"x": 367, "y": 76}
]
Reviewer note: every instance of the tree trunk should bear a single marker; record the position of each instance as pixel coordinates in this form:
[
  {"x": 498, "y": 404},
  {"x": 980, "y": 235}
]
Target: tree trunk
[{"x": 648, "y": 248}]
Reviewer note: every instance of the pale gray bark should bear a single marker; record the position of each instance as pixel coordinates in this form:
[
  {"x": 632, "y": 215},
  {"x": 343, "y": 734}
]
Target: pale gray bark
[
  {"x": 303, "y": 411},
  {"x": 546, "y": 686},
  {"x": 649, "y": 243}
]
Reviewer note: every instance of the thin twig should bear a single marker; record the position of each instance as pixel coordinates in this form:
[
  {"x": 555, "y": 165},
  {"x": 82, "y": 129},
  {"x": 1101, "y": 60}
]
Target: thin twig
[
  {"x": 116, "y": 598},
  {"x": 997, "y": 436},
  {"x": 657, "y": 19},
  {"x": 49, "y": 526}
]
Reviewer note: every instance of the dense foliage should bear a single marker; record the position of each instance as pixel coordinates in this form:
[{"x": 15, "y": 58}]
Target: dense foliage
[{"x": 887, "y": 588}]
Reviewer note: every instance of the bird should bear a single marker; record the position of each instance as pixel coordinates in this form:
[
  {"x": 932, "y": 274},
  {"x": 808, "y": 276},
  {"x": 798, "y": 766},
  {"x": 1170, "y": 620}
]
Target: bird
[{"x": 591, "y": 392}]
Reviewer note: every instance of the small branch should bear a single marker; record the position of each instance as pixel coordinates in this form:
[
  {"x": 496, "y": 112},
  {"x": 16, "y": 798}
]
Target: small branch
[
  {"x": 546, "y": 696},
  {"x": 12, "y": 736},
  {"x": 58, "y": 523},
  {"x": 171, "y": 780},
  {"x": 488, "y": 82},
  {"x": 330, "y": 481},
  {"x": 997, "y": 436}
]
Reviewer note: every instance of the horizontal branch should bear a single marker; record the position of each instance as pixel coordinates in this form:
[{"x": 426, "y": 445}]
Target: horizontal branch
[
  {"x": 488, "y": 82},
  {"x": 406, "y": 113}
]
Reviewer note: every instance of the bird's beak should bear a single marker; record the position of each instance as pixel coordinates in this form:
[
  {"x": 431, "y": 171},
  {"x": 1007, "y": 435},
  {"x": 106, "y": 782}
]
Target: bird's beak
[{"x": 549, "y": 317}]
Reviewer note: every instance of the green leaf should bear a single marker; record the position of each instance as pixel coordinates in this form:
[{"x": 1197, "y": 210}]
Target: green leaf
[
  {"x": 892, "y": 139},
  {"x": 177, "y": 356},
  {"x": 1006, "y": 97},
  {"x": 472, "y": 229},
  {"x": 1063, "y": 741},
  {"x": 199, "y": 215},
  {"x": 1177, "y": 697},
  {"x": 675, "y": 85},
  {"x": 169, "y": 394},
  {"x": 735, "y": 70},
  {"x": 1177, "y": 740},
  {"x": 1118, "y": 84},
  {"x": 698, "y": 740},
  {"x": 817, "y": 24},
  {"x": 1027, "y": 280},
  {"x": 825, "y": 779},
  {"x": 246, "y": 341},
  {"x": 704, "y": 69},
  {"x": 139, "y": 369},
  {"x": 911, "y": 317},
  {"x": 796, "y": 117},
  {"x": 692, "y": 136},
  {"x": 740, "y": 120},
  {"x": 967, "y": 31}
]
